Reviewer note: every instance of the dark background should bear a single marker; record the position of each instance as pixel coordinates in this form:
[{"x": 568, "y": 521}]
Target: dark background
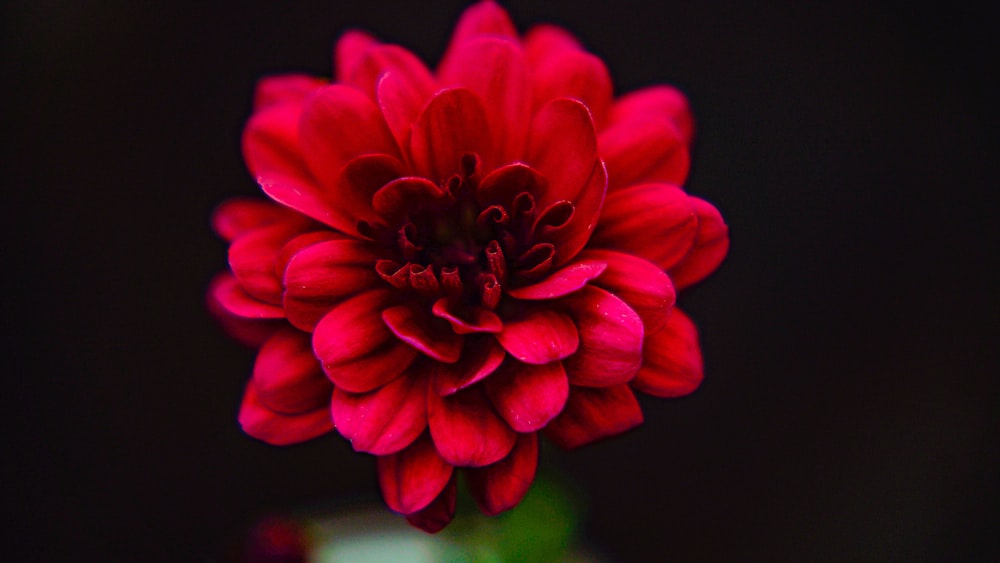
[{"x": 850, "y": 406}]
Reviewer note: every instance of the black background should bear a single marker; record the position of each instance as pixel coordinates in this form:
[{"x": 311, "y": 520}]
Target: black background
[{"x": 850, "y": 405}]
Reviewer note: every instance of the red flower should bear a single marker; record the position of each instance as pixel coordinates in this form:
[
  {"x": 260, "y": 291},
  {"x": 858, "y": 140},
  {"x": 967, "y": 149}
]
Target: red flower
[{"x": 456, "y": 261}]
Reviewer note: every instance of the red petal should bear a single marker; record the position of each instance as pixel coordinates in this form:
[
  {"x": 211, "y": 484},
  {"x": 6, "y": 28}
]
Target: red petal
[
  {"x": 357, "y": 350},
  {"x": 494, "y": 69},
  {"x": 426, "y": 333},
  {"x": 348, "y": 52},
  {"x": 322, "y": 275},
  {"x": 502, "y": 185},
  {"x": 380, "y": 59},
  {"x": 359, "y": 181},
  {"x": 281, "y": 429},
  {"x": 466, "y": 430},
  {"x": 563, "y": 282},
  {"x": 610, "y": 339},
  {"x": 592, "y": 414},
  {"x": 397, "y": 198},
  {"x": 438, "y": 513},
  {"x": 645, "y": 151},
  {"x": 401, "y": 103},
  {"x": 539, "y": 336},
  {"x": 480, "y": 358},
  {"x": 574, "y": 74},
  {"x": 528, "y": 396},
  {"x": 386, "y": 420},
  {"x": 501, "y": 486},
  {"x": 482, "y": 18},
  {"x": 287, "y": 377},
  {"x": 637, "y": 282},
  {"x": 710, "y": 246},
  {"x": 285, "y": 88},
  {"x": 412, "y": 478},
  {"x": 238, "y": 215},
  {"x": 653, "y": 221},
  {"x": 659, "y": 101},
  {"x": 546, "y": 41},
  {"x": 452, "y": 125},
  {"x": 227, "y": 293},
  {"x": 671, "y": 360},
  {"x": 271, "y": 142},
  {"x": 302, "y": 242},
  {"x": 253, "y": 258},
  {"x": 339, "y": 124},
  {"x": 467, "y": 320},
  {"x": 562, "y": 145},
  {"x": 251, "y": 332},
  {"x": 575, "y": 236}
]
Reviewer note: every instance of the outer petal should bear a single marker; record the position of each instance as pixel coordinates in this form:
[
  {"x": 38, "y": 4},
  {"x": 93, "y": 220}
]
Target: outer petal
[
  {"x": 546, "y": 41},
  {"x": 285, "y": 88},
  {"x": 380, "y": 59},
  {"x": 453, "y": 124},
  {"x": 710, "y": 246},
  {"x": 226, "y": 292},
  {"x": 280, "y": 429},
  {"x": 653, "y": 221},
  {"x": 483, "y": 18},
  {"x": 340, "y": 123},
  {"x": 438, "y": 513},
  {"x": 322, "y": 275},
  {"x": 251, "y": 332},
  {"x": 239, "y": 215},
  {"x": 412, "y": 478},
  {"x": 639, "y": 283},
  {"x": 656, "y": 101},
  {"x": 672, "y": 364},
  {"x": 287, "y": 377},
  {"x": 540, "y": 336},
  {"x": 574, "y": 74},
  {"x": 562, "y": 145},
  {"x": 495, "y": 70},
  {"x": 348, "y": 51},
  {"x": 386, "y": 420},
  {"x": 501, "y": 486},
  {"x": 651, "y": 150},
  {"x": 357, "y": 350},
  {"x": 528, "y": 396},
  {"x": 466, "y": 430},
  {"x": 610, "y": 339},
  {"x": 254, "y": 257},
  {"x": 592, "y": 414}
]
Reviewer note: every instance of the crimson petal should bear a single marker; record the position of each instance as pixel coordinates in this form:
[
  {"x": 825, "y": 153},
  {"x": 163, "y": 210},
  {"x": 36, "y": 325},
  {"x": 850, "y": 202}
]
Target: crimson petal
[
  {"x": 439, "y": 513},
  {"x": 466, "y": 430},
  {"x": 453, "y": 124},
  {"x": 573, "y": 73},
  {"x": 563, "y": 282},
  {"x": 646, "y": 151},
  {"x": 480, "y": 358},
  {"x": 239, "y": 215},
  {"x": 322, "y": 275},
  {"x": 562, "y": 145},
  {"x": 253, "y": 258},
  {"x": 610, "y": 339},
  {"x": 430, "y": 335},
  {"x": 467, "y": 320},
  {"x": 710, "y": 246},
  {"x": 482, "y": 18},
  {"x": 501, "y": 486},
  {"x": 592, "y": 414},
  {"x": 359, "y": 353},
  {"x": 661, "y": 100},
  {"x": 653, "y": 221},
  {"x": 671, "y": 360},
  {"x": 227, "y": 293},
  {"x": 378, "y": 60},
  {"x": 251, "y": 332},
  {"x": 528, "y": 396},
  {"x": 284, "y": 88},
  {"x": 412, "y": 478},
  {"x": 540, "y": 336},
  {"x": 358, "y": 129},
  {"x": 287, "y": 377},
  {"x": 386, "y": 420},
  {"x": 280, "y": 429},
  {"x": 637, "y": 282},
  {"x": 348, "y": 51}
]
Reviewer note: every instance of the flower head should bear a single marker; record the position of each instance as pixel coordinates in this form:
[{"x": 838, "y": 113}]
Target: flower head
[{"x": 453, "y": 262}]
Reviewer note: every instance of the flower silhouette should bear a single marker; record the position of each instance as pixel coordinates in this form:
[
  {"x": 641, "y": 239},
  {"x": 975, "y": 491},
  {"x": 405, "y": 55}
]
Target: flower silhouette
[{"x": 453, "y": 262}]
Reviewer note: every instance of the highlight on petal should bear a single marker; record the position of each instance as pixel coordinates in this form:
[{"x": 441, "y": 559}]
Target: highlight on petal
[
  {"x": 540, "y": 336},
  {"x": 639, "y": 283},
  {"x": 466, "y": 430},
  {"x": 429, "y": 334},
  {"x": 467, "y": 320},
  {"x": 358, "y": 352},
  {"x": 413, "y": 478},
  {"x": 593, "y": 414},
  {"x": 322, "y": 275},
  {"x": 610, "y": 339},
  {"x": 338, "y": 124},
  {"x": 653, "y": 221},
  {"x": 287, "y": 377},
  {"x": 562, "y": 282},
  {"x": 501, "y": 486},
  {"x": 672, "y": 364},
  {"x": 576, "y": 74},
  {"x": 280, "y": 429},
  {"x": 439, "y": 513},
  {"x": 378, "y": 60},
  {"x": 528, "y": 396},
  {"x": 711, "y": 243},
  {"x": 453, "y": 124},
  {"x": 388, "y": 419},
  {"x": 480, "y": 358}
]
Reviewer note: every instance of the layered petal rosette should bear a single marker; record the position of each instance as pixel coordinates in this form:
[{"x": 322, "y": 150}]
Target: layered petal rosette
[{"x": 451, "y": 263}]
